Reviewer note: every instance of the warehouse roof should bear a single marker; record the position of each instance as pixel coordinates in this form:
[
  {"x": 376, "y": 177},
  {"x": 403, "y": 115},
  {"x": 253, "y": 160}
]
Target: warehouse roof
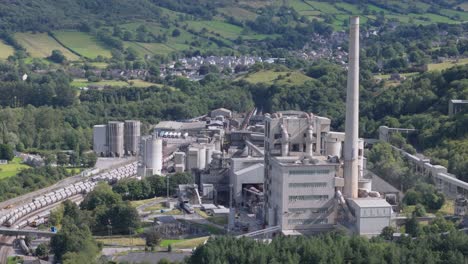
[
  {"x": 370, "y": 202},
  {"x": 174, "y": 125}
]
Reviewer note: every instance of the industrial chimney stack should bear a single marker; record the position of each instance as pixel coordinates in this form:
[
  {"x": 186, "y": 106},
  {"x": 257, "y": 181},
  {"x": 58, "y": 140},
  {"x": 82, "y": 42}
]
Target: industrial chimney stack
[{"x": 352, "y": 113}]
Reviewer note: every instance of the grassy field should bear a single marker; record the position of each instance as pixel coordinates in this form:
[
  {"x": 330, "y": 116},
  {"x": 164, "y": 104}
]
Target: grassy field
[
  {"x": 225, "y": 30},
  {"x": 149, "y": 48},
  {"x": 238, "y": 12},
  {"x": 446, "y": 65},
  {"x": 5, "y": 50},
  {"x": 122, "y": 241},
  {"x": 273, "y": 77},
  {"x": 324, "y": 7},
  {"x": 340, "y": 11},
  {"x": 185, "y": 243},
  {"x": 99, "y": 65},
  {"x": 447, "y": 209},
  {"x": 387, "y": 76},
  {"x": 142, "y": 202},
  {"x": 82, "y": 43},
  {"x": 41, "y": 45},
  {"x": 12, "y": 168},
  {"x": 15, "y": 260},
  {"x": 156, "y": 207},
  {"x": 127, "y": 241}
]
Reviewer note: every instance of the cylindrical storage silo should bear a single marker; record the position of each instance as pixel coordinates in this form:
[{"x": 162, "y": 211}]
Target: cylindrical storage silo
[
  {"x": 202, "y": 158},
  {"x": 334, "y": 144},
  {"x": 333, "y": 148},
  {"x": 154, "y": 155},
  {"x": 209, "y": 155},
  {"x": 115, "y": 137},
  {"x": 132, "y": 136}
]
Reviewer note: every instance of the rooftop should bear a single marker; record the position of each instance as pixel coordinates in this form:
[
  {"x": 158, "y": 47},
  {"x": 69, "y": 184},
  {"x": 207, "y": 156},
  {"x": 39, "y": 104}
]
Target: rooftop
[
  {"x": 301, "y": 161},
  {"x": 174, "y": 125},
  {"x": 370, "y": 202},
  {"x": 458, "y": 101}
]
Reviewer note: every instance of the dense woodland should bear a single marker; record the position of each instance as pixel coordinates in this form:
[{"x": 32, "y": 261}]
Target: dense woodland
[
  {"x": 335, "y": 248},
  {"x": 420, "y": 102},
  {"x": 29, "y": 180},
  {"x": 102, "y": 211},
  {"x": 151, "y": 186}
]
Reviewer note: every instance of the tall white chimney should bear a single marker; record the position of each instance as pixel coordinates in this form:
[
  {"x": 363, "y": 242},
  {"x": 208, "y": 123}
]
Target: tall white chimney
[{"x": 352, "y": 113}]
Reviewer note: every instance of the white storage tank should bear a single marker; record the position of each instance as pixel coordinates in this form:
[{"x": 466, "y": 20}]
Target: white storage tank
[
  {"x": 202, "y": 158},
  {"x": 153, "y": 154},
  {"x": 333, "y": 143}
]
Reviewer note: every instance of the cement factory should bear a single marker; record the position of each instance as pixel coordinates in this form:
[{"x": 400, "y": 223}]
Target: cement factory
[
  {"x": 287, "y": 170},
  {"x": 270, "y": 173}
]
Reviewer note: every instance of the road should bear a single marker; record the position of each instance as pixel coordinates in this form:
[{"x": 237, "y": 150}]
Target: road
[{"x": 6, "y": 248}]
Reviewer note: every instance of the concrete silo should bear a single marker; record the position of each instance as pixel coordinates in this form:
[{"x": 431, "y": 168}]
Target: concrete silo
[
  {"x": 100, "y": 140},
  {"x": 152, "y": 155},
  {"x": 132, "y": 137},
  {"x": 115, "y": 138}
]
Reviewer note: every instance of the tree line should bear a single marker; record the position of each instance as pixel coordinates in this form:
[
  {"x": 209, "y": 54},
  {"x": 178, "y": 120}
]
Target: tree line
[
  {"x": 334, "y": 248},
  {"x": 151, "y": 186}
]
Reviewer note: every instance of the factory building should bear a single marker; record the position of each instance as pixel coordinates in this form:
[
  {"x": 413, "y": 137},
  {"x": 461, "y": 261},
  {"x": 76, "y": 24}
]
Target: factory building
[
  {"x": 456, "y": 106},
  {"x": 314, "y": 178},
  {"x": 115, "y": 139},
  {"x": 179, "y": 161},
  {"x": 244, "y": 173},
  {"x": 221, "y": 112},
  {"x": 132, "y": 137},
  {"x": 151, "y": 156},
  {"x": 199, "y": 156},
  {"x": 300, "y": 180},
  {"x": 372, "y": 215}
]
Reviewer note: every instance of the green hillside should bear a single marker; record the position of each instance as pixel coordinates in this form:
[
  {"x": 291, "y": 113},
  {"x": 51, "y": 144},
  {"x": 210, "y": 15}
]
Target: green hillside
[
  {"x": 5, "y": 50},
  {"x": 164, "y": 27},
  {"x": 40, "y": 45},
  {"x": 82, "y": 43}
]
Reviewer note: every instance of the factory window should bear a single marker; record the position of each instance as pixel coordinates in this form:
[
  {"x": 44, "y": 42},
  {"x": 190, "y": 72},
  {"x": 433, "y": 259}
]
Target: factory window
[
  {"x": 308, "y": 172},
  {"x": 360, "y": 152},
  {"x": 309, "y": 210},
  {"x": 308, "y": 185},
  {"x": 295, "y": 147},
  {"x": 294, "y": 198},
  {"x": 277, "y": 136},
  {"x": 307, "y": 221},
  {"x": 277, "y": 146}
]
